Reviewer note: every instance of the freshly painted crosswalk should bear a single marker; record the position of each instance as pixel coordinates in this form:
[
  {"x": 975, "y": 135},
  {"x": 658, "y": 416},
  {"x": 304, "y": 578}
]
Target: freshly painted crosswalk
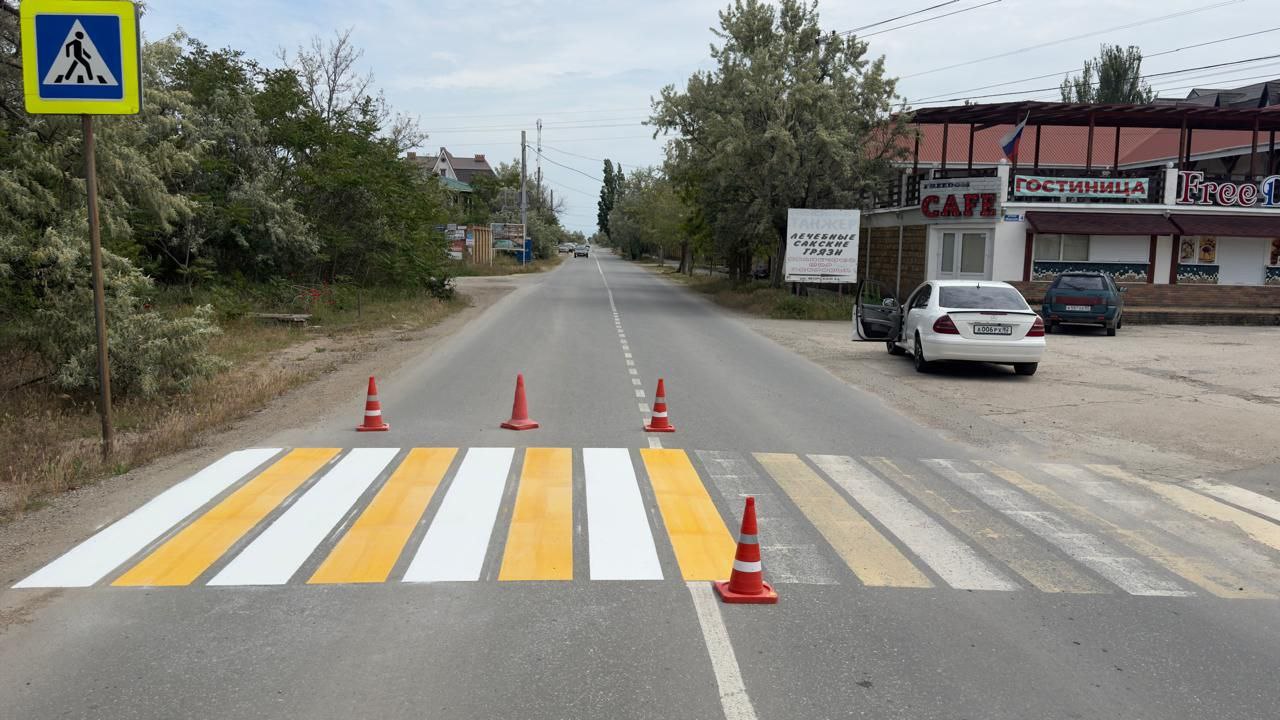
[{"x": 326, "y": 516}]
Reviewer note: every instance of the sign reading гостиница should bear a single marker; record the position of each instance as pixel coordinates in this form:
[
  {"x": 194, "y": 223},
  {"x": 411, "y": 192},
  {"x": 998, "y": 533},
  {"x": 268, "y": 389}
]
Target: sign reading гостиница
[{"x": 1058, "y": 187}]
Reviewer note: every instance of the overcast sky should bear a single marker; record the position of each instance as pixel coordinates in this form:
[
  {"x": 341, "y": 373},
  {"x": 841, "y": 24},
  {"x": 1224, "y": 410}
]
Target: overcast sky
[{"x": 475, "y": 72}]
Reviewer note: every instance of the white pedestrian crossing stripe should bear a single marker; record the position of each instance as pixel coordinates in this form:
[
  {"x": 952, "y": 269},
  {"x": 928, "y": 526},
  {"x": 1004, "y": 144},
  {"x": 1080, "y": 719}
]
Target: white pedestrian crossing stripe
[{"x": 317, "y": 516}]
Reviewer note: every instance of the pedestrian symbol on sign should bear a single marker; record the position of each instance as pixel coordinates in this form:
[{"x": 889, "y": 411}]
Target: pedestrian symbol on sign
[{"x": 79, "y": 62}]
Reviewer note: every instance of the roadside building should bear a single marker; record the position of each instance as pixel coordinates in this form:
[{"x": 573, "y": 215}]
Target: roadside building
[{"x": 1179, "y": 201}]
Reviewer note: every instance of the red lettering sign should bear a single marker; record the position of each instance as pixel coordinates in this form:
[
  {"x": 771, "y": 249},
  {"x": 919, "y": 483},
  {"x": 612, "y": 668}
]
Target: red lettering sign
[
  {"x": 988, "y": 204},
  {"x": 951, "y": 208},
  {"x": 926, "y": 206}
]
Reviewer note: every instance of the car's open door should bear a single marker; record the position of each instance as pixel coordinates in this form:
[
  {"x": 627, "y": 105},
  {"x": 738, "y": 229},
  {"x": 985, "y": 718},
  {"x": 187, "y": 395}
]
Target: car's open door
[{"x": 876, "y": 313}]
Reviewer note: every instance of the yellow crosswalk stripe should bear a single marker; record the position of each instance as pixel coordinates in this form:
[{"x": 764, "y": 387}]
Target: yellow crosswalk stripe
[
  {"x": 1005, "y": 541},
  {"x": 540, "y": 540},
  {"x": 1265, "y": 532},
  {"x": 369, "y": 549},
  {"x": 869, "y": 554},
  {"x": 185, "y": 556},
  {"x": 1203, "y": 572},
  {"x": 703, "y": 546}
]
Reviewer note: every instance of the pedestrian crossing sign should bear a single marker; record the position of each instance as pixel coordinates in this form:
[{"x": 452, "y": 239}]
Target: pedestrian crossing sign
[{"x": 81, "y": 57}]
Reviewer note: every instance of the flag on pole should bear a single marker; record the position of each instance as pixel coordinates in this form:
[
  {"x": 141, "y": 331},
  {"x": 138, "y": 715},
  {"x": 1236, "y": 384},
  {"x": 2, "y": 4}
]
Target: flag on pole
[{"x": 1010, "y": 142}]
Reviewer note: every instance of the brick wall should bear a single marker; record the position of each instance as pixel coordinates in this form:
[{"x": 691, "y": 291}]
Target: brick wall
[
  {"x": 882, "y": 244},
  {"x": 1188, "y": 296}
]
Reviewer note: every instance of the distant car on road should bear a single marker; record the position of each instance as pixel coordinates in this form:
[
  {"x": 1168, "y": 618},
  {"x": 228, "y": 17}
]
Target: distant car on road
[
  {"x": 581, "y": 251},
  {"x": 566, "y": 247},
  {"x": 970, "y": 320},
  {"x": 1084, "y": 298}
]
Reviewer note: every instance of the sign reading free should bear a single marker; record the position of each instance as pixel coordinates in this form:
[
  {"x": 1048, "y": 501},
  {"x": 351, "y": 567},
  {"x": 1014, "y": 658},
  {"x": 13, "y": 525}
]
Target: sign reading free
[
  {"x": 822, "y": 246},
  {"x": 1193, "y": 189},
  {"x": 971, "y": 198}
]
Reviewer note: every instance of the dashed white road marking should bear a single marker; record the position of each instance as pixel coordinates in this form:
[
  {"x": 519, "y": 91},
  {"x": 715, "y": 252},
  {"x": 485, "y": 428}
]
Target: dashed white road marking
[
  {"x": 626, "y": 355},
  {"x": 639, "y": 393},
  {"x": 635, "y": 381},
  {"x": 633, "y": 371},
  {"x": 644, "y": 407},
  {"x": 733, "y": 692},
  {"x": 1247, "y": 499},
  {"x": 631, "y": 363},
  {"x": 655, "y": 442}
]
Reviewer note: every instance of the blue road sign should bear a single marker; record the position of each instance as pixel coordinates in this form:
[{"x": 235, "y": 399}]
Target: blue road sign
[{"x": 79, "y": 57}]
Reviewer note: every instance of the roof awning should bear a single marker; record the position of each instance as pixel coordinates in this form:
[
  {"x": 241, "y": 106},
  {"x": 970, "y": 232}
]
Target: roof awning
[
  {"x": 1097, "y": 223},
  {"x": 1238, "y": 225}
]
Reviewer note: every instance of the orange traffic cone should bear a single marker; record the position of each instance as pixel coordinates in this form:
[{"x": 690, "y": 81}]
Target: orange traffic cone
[
  {"x": 372, "y": 411},
  {"x": 659, "y": 421},
  {"x": 520, "y": 410},
  {"x": 746, "y": 583}
]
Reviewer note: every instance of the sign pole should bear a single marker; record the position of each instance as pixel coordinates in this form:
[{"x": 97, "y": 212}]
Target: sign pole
[{"x": 99, "y": 293}]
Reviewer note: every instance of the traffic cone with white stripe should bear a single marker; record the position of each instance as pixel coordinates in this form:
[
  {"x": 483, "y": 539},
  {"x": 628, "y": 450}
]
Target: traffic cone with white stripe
[
  {"x": 519, "y": 410},
  {"x": 746, "y": 582},
  {"x": 372, "y": 411},
  {"x": 659, "y": 422}
]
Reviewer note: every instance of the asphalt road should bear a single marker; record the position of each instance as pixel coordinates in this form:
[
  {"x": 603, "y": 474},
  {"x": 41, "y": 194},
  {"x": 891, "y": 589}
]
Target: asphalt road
[{"x": 919, "y": 578}]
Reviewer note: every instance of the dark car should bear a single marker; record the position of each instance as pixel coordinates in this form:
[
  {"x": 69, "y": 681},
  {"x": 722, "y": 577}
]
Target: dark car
[{"x": 1083, "y": 298}]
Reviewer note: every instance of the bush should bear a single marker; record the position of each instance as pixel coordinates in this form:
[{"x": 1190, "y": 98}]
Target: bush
[{"x": 150, "y": 353}]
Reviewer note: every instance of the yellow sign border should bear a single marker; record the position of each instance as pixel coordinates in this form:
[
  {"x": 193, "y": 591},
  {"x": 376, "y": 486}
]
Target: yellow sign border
[{"x": 130, "y": 51}]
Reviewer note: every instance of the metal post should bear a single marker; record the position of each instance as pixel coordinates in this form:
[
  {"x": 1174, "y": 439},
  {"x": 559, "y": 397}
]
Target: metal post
[
  {"x": 1035, "y": 162},
  {"x": 1088, "y": 158},
  {"x": 970, "y": 166},
  {"x": 524, "y": 176},
  {"x": 1182, "y": 143},
  {"x": 1253, "y": 151},
  {"x": 897, "y": 284},
  {"x": 946, "y": 130},
  {"x": 1115, "y": 158},
  {"x": 1271, "y": 153},
  {"x": 1190, "y": 144},
  {"x": 915, "y": 154},
  {"x": 99, "y": 292}
]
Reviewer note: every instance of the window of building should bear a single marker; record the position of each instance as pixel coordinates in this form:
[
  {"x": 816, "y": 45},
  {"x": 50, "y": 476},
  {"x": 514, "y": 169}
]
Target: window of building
[{"x": 1062, "y": 248}]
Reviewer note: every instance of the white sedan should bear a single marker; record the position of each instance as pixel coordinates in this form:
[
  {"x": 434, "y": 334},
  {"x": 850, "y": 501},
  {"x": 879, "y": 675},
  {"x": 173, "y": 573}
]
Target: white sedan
[{"x": 972, "y": 320}]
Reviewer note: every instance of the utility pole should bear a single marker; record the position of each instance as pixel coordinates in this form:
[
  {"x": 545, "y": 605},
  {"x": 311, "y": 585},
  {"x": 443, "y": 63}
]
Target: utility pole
[
  {"x": 524, "y": 205},
  {"x": 538, "y": 161},
  {"x": 553, "y": 201}
]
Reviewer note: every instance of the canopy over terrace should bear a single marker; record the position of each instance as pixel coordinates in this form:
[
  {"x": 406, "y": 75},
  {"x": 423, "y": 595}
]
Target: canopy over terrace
[{"x": 1228, "y": 126}]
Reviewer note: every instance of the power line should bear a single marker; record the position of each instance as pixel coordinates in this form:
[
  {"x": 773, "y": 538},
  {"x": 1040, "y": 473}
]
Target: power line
[
  {"x": 573, "y": 169},
  {"x": 536, "y": 112},
  {"x": 1141, "y": 77},
  {"x": 930, "y": 19},
  {"x": 906, "y": 15},
  {"x": 493, "y": 129},
  {"x": 961, "y": 93},
  {"x": 1060, "y": 41},
  {"x": 570, "y": 189}
]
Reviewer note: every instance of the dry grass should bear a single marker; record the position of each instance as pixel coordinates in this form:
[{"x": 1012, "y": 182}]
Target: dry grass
[
  {"x": 49, "y": 440},
  {"x": 505, "y": 265},
  {"x": 758, "y": 298}
]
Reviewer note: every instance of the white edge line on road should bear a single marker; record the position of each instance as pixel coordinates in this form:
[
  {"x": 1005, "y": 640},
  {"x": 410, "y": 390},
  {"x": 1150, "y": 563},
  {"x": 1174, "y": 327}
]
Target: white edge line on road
[{"x": 733, "y": 692}]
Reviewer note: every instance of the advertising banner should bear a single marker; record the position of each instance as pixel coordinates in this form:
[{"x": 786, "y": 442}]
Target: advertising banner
[{"x": 822, "y": 246}]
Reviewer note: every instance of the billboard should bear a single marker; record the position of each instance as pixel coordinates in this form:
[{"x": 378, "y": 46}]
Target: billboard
[
  {"x": 822, "y": 246},
  {"x": 507, "y": 236},
  {"x": 953, "y": 199}
]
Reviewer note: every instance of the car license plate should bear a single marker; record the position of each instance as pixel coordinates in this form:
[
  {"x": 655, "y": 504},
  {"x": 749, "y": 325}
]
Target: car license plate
[
  {"x": 1078, "y": 308},
  {"x": 992, "y": 330}
]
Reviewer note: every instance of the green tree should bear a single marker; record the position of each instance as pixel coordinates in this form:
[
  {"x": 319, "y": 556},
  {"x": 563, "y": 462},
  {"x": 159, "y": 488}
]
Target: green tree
[
  {"x": 788, "y": 117},
  {"x": 609, "y": 189},
  {"x": 1114, "y": 76}
]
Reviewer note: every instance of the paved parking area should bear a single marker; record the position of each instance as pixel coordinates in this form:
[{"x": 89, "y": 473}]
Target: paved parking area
[{"x": 1175, "y": 401}]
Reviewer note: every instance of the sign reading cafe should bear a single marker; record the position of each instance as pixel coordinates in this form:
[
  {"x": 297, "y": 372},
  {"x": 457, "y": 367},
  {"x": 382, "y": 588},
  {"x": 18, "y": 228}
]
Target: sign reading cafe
[
  {"x": 822, "y": 246},
  {"x": 1193, "y": 189},
  {"x": 971, "y": 198}
]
